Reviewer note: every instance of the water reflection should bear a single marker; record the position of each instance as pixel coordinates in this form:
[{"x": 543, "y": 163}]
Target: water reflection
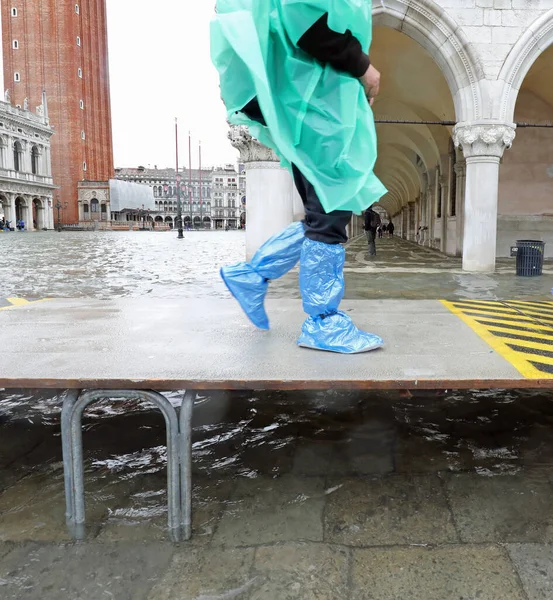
[
  {"x": 238, "y": 435},
  {"x": 116, "y": 264}
]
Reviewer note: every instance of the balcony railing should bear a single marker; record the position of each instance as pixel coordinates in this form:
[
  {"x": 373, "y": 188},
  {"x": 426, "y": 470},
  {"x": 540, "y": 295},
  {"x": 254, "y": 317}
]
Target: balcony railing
[{"x": 26, "y": 177}]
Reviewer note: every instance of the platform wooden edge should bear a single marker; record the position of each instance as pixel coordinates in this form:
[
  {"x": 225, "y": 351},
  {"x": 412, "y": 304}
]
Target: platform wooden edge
[{"x": 284, "y": 385}]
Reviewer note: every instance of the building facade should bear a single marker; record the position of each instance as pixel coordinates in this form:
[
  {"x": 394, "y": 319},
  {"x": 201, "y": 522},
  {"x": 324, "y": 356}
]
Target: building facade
[
  {"x": 60, "y": 46},
  {"x": 229, "y": 197},
  {"x": 195, "y": 194},
  {"x": 26, "y": 185},
  {"x": 464, "y": 123},
  {"x": 467, "y": 168}
]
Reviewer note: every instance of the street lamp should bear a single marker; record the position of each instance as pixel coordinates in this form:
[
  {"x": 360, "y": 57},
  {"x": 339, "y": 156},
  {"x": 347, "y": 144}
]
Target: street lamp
[
  {"x": 178, "y": 178},
  {"x": 59, "y": 206}
]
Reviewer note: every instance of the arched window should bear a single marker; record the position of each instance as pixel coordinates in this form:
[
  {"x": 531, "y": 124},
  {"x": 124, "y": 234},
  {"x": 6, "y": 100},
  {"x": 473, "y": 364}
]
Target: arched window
[
  {"x": 85, "y": 209},
  {"x": 155, "y": 193},
  {"x": 159, "y": 191},
  {"x": 35, "y": 157},
  {"x": 2, "y": 153},
  {"x": 94, "y": 205},
  {"x": 17, "y": 156}
]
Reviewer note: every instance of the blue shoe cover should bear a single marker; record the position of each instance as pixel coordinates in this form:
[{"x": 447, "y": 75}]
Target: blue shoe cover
[
  {"x": 322, "y": 289},
  {"x": 248, "y": 283},
  {"x": 337, "y": 333},
  {"x": 249, "y": 288}
]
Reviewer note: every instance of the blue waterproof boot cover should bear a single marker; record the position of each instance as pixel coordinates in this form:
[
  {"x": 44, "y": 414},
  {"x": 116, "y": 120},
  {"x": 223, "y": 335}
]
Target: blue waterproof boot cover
[
  {"x": 322, "y": 289},
  {"x": 248, "y": 282}
]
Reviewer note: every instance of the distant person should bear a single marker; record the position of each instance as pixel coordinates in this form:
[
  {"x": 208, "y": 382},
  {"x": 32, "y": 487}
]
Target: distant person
[
  {"x": 391, "y": 228},
  {"x": 372, "y": 223},
  {"x": 379, "y": 231}
]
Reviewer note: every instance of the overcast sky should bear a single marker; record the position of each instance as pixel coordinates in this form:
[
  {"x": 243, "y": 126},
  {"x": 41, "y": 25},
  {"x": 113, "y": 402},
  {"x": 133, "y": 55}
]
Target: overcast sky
[{"x": 160, "y": 69}]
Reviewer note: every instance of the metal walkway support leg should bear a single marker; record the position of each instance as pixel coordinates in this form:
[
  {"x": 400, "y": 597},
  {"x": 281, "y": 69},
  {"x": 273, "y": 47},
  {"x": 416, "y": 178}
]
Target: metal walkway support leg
[
  {"x": 185, "y": 419},
  {"x": 69, "y": 401},
  {"x": 73, "y": 455}
]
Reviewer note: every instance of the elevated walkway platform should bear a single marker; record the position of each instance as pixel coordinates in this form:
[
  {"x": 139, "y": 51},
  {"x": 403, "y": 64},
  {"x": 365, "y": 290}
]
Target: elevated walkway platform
[
  {"x": 136, "y": 348},
  {"x": 209, "y": 344}
]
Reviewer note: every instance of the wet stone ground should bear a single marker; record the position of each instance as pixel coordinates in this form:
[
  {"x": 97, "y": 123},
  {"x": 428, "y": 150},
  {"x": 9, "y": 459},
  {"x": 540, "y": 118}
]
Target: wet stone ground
[
  {"x": 356, "y": 496},
  {"x": 433, "y": 496}
]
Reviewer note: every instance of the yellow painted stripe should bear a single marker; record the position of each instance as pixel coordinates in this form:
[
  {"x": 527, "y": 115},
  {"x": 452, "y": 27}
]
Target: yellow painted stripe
[
  {"x": 511, "y": 331},
  {"x": 489, "y": 310},
  {"x": 17, "y": 301},
  {"x": 536, "y": 314},
  {"x": 529, "y": 344},
  {"x": 532, "y": 325},
  {"x": 518, "y": 360},
  {"x": 14, "y": 302},
  {"x": 535, "y": 357},
  {"x": 496, "y": 315}
]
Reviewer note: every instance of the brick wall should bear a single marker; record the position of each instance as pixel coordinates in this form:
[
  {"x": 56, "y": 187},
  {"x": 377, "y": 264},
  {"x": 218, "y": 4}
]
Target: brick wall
[{"x": 49, "y": 58}]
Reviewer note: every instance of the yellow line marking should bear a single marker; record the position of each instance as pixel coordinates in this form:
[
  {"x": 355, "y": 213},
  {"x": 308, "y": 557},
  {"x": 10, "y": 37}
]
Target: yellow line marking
[
  {"x": 15, "y": 302},
  {"x": 517, "y": 332},
  {"x": 513, "y": 326},
  {"x": 519, "y": 360}
]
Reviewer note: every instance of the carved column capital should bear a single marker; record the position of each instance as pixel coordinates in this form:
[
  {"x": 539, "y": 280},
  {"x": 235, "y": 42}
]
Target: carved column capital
[
  {"x": 483, "y": 138},
  {"x": 460, "y": 168},
  {"x": 250, "y": 149}
]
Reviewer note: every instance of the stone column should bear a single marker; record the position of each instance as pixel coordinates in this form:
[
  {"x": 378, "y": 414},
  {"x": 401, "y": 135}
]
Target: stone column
[
  {"x": 460, "y": 172},
  {"x": 483, "y": 144},
  {"x": 429, "y": 213},
  {"x": 28, "y": 213},
  {"x": 444, "y": 189},
  {"x": 10, "y": 210},
  {"x": 270, "y": 194}
]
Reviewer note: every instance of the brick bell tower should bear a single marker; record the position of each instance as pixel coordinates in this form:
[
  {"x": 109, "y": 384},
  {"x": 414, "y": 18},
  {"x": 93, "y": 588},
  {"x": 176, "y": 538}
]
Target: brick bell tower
[{"x": 61, "y": 47}]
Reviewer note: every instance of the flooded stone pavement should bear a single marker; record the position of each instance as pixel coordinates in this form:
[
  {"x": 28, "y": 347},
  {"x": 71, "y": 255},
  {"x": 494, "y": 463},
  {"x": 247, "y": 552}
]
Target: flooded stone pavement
[
  {"x": 434, "y": 496},
  {"x": 157, "y": 265},
  {"x": 403, "y": 269},
  {"x": 317, "y": 496}
]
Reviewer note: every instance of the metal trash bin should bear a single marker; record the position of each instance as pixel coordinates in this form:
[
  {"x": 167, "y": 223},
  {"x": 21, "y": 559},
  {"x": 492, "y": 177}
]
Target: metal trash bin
[{"x": 529, "y": 255}]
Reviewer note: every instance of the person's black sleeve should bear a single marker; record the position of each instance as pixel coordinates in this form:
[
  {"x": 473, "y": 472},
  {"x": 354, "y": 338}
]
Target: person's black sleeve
[{"x": 342, "y": 51}]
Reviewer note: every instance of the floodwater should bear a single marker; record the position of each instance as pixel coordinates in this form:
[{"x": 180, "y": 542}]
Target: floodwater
[
  {"x": 266, "y": 434},
  {"x": 116, "y": 264},
  {"x": 283, "y": 477}
]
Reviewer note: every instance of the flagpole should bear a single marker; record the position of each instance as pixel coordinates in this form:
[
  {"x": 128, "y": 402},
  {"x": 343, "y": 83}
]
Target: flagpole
[
  {"x": 201, "y": 202},
  {"x": 190, "y": 178},
  {"x": 177, "y": 178}
]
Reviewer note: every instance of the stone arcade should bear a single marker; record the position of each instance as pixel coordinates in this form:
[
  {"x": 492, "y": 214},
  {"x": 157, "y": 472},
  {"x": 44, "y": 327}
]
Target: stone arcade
[{"x": 475, "y": 182}]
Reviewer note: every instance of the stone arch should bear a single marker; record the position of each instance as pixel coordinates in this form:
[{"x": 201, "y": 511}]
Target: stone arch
[
  {"x": 21, "y": 207},
  {"x": 430, "y": 26},
  {"x": 535, "y": 40}
]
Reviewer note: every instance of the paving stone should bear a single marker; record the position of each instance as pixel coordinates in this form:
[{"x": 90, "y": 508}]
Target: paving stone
[
  {"x": 208, "y": 573},
  {"x": 300, "y": 572},
  {"x": 5, "y": 548},
  {"x": 34, "y": 508},
  {"x": 414, "y": 454},
  {"x": 502, "y": 508},
  {"x": 83, "y": 572},
  {"x": 313, "y": 458},
  {"x": 18, "y": 439},
  {"x": 144, "y": 515},
  {"x": 264, "y": 510},
  {"x": 534, "y": 563},
  {"x": 444, "y": 573},
  {"x": 393, "y": 509}
]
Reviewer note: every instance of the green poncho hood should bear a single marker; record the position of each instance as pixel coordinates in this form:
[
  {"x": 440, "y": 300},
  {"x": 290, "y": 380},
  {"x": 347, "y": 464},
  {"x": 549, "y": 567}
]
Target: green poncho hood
[{"x": 317, "y": 118}]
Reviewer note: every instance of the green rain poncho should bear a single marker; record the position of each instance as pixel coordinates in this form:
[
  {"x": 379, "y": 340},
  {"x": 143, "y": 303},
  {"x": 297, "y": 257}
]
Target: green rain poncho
[{"x": 317, "y": 118}]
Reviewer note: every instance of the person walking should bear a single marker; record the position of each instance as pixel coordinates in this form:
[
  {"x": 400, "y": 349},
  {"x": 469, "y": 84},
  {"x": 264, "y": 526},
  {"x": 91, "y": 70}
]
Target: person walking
[
  {"x": 372, "y": 222},
  {"x": 285, "y": 66},
  {"x": 391, "y": 228}
]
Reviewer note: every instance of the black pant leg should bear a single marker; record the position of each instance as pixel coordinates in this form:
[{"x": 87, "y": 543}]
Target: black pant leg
[{"x": 329, "y": 228}]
